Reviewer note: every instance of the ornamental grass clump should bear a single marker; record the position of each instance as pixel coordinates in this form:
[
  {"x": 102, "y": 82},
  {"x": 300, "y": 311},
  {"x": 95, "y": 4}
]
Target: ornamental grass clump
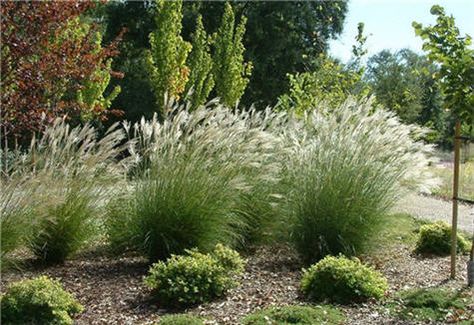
[
  {"x": 199, "y": 168},
  {"x": 342, "y": 280},
  {"x": 38, "y": 301},
  {"x": 16, "y": 217},
  {"x": 195, "y": 277},
  {"x": 344, "y": 169},
  {"x": 70, "y": 174}
]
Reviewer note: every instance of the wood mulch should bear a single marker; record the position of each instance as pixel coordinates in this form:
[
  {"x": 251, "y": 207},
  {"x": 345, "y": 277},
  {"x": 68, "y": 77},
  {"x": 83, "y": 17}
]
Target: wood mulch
[{"x": 112, "y": 290}]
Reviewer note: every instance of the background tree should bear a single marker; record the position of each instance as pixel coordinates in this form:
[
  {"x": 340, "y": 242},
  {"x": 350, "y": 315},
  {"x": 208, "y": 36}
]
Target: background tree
[
  {"x": 201, "y": 80},
  {"x": 403, "y": 82},
  {"x": 49, "y": 54},
  {"x": 330, "y": 83},
  {"x": 230, "y": 71},
  {"x": 455, "y": 57},
  {"x": 452, "y": 52},
  {"x": 168, "y": 53},
  {"x": 91, "y": 96},
  {"x": 281, "y": 37},
  {"x": 137, "y": 17}
]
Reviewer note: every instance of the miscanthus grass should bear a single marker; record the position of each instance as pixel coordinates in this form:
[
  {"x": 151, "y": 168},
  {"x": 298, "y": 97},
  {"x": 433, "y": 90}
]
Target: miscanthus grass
[
  {"x": 344, "y": 169},
  {"x": 66, "y": 176},
  {"x": 200, "y": 171}
]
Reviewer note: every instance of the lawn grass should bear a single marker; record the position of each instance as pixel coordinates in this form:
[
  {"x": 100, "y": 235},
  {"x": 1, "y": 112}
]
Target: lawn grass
[
  {"x": 399, "y": 228},
  {"x": 432, "y": 304},
  {"x": 466, "y": 181}
]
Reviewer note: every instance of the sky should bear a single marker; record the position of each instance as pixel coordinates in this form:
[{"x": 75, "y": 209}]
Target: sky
[{"x": 388, "y": 23}]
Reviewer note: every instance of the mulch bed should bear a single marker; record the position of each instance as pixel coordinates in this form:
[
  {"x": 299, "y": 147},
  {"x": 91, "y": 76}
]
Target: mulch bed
[{"x": 112, "y": 291}]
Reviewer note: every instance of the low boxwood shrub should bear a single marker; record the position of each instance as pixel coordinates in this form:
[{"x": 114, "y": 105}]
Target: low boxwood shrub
[
  {"x": 180, "y": 319},
  {"x": 342, "y": 280},
  {"x": 303, "y": 315},
  {"x": 228, "y": 258},
  {"x": 194, "y": 278},
  {"x": 435, "y": 239},
  {"x": 432, "y": 304},
  {"x": 38, "y": 301}
]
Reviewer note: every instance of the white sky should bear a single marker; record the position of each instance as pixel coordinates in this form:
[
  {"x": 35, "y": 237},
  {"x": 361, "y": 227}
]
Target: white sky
[{"x": 388, "y": 22}]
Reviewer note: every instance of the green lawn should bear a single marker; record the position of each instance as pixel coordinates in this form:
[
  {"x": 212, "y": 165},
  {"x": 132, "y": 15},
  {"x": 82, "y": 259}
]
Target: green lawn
[{"x": 466, "y": 178}]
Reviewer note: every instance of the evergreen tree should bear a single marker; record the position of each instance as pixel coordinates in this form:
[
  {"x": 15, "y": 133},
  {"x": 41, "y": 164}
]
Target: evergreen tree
[
  {"x": 230, "y": 71},
  {"x": 167, "y": 57},
  {"x": 201, "y": 80}
]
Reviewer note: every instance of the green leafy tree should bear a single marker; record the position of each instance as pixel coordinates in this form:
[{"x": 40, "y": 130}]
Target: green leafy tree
[
  {"x": 49, "y": 51},
  {"x": 201, "y": 80},
  {"x": 167, "y": 57},
  {"x": 282, "y": 38},
  {"x": 455, "y": 57},
  {"x": 403, "y": 82},
  {"x": 359, "y": 50},
  {"x": 92, "y": 96},
  {"x": 136, "y": 98},
  {"x": 230, "y": 71},
  {"x": 330, "y": 83}
]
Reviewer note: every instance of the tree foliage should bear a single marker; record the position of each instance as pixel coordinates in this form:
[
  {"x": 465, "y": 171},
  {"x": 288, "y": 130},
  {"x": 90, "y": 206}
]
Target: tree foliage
[
  {"x": 52, "y": 65},
  {"x": 201, "y": 80},
  {"x": 403, "y": 82},
  {"x": 455, "y": 57},
  {"x": 282, "y": 38},
  {"x": 168, "y": 53},
  {"x": 331, "y": 82},
  {"x": 230, "y": 71},
  {"x": 137, "y": 17}
]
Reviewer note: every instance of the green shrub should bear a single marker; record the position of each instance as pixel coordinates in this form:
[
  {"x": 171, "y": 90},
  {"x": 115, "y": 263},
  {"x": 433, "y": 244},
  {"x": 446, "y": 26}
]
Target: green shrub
[
  {"x": 344, "y": 170},
  {"x": 434, "y": 304},
  {"x": 180, "y": 319},
  {"x": 194, "y": 191},
  {"x": 342, "y": 280},
  {"x": 301, "y": 315},
  {"x": 38, "y": 301},
  {"x": 194, "y": 278},
  {"x": 435, "y": 239},
  {"x": 228, "y": 258}
]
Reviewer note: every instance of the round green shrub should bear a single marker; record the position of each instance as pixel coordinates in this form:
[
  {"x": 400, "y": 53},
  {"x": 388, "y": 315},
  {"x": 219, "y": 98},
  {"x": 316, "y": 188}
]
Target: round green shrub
[
  {"x": 228, "y": 258},
  {"x": 194, "y": 278},
  {"x": 180, "y": 319},
  {"x": 38, "y": 301},
  {"x": 435, "y": 239},
  {"x": 303, "y": 315},
  {"x": 342, "y": 280}
]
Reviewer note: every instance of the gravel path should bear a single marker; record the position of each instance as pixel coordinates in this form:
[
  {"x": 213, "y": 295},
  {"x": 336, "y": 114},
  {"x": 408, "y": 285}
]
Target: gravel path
[{"x": 431, "y": 208}]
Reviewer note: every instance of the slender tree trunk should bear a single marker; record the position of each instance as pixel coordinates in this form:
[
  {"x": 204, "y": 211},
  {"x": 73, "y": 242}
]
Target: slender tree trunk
[{"x": 457, "y": 144}]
